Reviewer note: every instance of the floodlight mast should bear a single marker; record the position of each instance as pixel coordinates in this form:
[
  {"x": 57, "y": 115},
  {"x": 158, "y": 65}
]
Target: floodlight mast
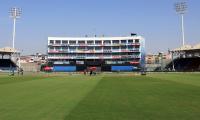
[
  {"x": 181, "y": 9},
  {"x": 15, "y": 14}
]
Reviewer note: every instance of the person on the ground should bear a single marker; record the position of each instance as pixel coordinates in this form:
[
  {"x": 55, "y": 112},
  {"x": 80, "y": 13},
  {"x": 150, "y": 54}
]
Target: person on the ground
[
  {"x": 13, "y": 72},
  {"x": 91, "y": 72},
  {"x": 22, "y": 71},
  {"x": 84, "y": 72}
]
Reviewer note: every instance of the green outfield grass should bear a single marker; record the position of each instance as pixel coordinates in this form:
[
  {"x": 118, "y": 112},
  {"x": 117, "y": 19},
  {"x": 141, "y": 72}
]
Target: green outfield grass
[{"x": 163, "y": 96}]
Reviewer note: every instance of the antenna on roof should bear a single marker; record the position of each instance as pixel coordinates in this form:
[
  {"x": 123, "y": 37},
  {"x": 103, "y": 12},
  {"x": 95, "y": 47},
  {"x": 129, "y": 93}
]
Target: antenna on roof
[{"x": 133, "y": 34}]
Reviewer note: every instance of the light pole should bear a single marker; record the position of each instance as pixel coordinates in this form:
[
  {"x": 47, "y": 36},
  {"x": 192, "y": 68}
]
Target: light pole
[
  {"x": 15, "y": 14},
  {"x": 181, "y": 9}
]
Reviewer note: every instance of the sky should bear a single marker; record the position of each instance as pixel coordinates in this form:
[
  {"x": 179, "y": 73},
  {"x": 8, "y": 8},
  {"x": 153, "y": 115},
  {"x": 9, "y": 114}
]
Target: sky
[{"x": 155, "y": 20}]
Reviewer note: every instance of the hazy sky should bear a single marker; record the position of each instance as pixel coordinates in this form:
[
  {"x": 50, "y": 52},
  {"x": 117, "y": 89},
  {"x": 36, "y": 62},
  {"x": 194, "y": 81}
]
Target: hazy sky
[{"x": 155, "y": 20}]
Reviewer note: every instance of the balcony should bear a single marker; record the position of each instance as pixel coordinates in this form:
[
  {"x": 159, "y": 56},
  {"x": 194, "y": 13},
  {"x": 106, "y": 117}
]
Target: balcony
[
  {"x": 93, "y": 51},
  {"x": 96, "y": 44},
  {"x": 93, "y": 56}
]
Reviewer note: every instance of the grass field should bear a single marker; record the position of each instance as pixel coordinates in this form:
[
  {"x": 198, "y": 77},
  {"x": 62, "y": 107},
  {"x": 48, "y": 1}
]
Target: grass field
[{"x": 164, "y": 96}]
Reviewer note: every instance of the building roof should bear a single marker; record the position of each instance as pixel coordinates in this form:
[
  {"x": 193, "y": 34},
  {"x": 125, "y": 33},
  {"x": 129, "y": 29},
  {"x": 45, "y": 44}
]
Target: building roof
[
  {"x": 8, "y": 50},
  {"x": 197, "y": 46},
  {"x": 187, "y": 48},
  {"x": 95, "y": 38},
  {"x": 182, "y": 48}
]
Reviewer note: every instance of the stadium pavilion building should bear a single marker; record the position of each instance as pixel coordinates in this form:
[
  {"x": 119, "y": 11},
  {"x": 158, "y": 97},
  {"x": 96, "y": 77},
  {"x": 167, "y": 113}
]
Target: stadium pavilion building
[{"x": 104, "y": 53}]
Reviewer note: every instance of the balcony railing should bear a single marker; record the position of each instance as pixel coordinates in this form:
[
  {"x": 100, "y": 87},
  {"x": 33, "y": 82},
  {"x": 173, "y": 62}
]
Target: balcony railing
[
  {"x": 95, "y": 51},
  {"x": 95, "y": 57},
  {"x": 104, "y": 44}
]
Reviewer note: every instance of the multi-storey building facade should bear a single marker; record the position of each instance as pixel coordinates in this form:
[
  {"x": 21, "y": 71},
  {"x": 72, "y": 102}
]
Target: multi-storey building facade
[{"x": 105, "y": 53}]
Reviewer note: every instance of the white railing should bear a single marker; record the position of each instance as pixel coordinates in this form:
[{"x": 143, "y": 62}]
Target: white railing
[
  {"x": 94, "y": 44},
  {"x": 95, "y": 57},
  {"x": 94, "y": 51}
]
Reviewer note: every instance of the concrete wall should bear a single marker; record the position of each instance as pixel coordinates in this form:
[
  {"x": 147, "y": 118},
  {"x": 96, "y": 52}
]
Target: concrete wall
[{"x": 30, "y": 67}]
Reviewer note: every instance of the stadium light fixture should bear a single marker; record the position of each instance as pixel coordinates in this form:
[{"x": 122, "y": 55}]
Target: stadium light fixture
[
  {"x": 181, "y": 8},
  {"x": 15, "y": 13}
]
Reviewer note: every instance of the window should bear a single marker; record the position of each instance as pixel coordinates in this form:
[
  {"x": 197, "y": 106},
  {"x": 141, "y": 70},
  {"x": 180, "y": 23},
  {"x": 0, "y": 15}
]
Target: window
[
  {"x": 107, "y": 54},
  {"x": 90, "y": 54},
  {"x": 98, "y": 48},
  {"x": 107, "y": 42},
  {"x": 90, "y": 48},
  {"x": 79, "y": 62},
  {"x": 123, "y": 41},
  {"x": 58, "y": 41},
  {"x": 137, "y": 46},
  {"x": 72, "y": 42},
  {"x": 51, "y": 48},
  {"x": 57, "y": 48},
  {"x": 81, "y": 48},
  {"x": 109, "y": 62},
  {"x": 90, "y": 42},
  {"x": 98, "y": 42},
  {"x": 130, "y": 41},
  {"x": 123, "y": 47},
  {"x": 136, "y": 40},
  {"x": 72, "y": 48},
  {"x": 115, "y": 47},
  {"x": 115, "y": 41},
  {"x": 107, "y": 48},
  {"x": 130, "y": 53},
  {"x": 115, "y": 53},
  {"x": 72, "y": 55},
  {"x": 64, "y": 48},
  {"x": 130, "y": 47},
  {"x": 81, "y": 42},
  {"x": 51, "y": 42},
  {"x": 65, "y": 42}
]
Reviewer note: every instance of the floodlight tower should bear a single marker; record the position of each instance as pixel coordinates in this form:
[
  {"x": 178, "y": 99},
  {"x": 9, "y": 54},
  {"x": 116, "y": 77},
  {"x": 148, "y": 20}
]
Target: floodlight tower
[
  {"x": 15, "y": 14},
  {"x": 181, "y": 9}
]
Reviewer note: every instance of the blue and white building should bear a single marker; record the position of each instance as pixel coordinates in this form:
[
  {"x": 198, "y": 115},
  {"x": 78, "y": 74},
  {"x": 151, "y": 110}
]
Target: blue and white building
[{"x": 104, "y": 53}]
